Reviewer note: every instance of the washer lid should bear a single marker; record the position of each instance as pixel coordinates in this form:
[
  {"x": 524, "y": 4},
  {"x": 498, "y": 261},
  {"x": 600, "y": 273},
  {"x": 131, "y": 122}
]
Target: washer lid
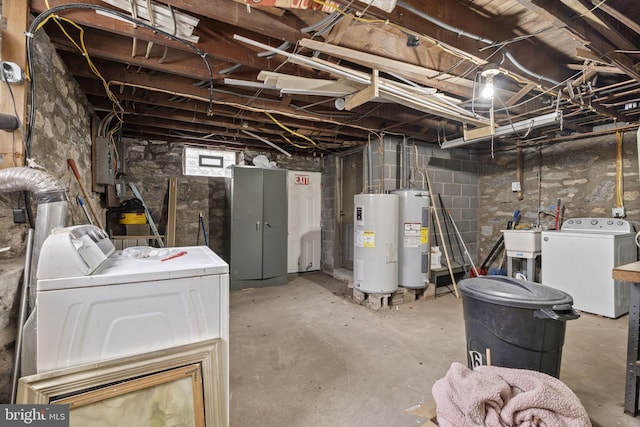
[{"x": 512, "y": 292}]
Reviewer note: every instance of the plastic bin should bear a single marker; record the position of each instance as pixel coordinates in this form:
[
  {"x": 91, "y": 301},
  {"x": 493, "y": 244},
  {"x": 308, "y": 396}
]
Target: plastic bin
[{"x": 518, "y": 324}]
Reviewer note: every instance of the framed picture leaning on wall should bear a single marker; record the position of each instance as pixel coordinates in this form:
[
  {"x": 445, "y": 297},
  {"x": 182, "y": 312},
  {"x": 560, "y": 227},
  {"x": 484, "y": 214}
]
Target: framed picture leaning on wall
[{"x": 176, "y": 386}]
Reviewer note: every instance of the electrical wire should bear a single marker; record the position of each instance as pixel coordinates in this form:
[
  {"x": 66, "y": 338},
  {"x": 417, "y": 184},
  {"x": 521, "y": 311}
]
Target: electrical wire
[
  {"x": 242, "y": 106},
  {"x": 517, "y": 39},
  {"x": 544, "y": 92},
  {"x": 593, "y": 8},
  {"x": 43, "y": 17},
  {"x": 291, "y": 131},
  {"x": 297, "y": 145},
  {"x": 81, "y": 46}
]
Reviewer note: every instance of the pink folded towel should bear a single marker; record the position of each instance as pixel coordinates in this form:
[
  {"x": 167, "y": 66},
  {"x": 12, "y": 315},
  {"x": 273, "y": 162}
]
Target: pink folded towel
[{"x": 493, "y": 396}]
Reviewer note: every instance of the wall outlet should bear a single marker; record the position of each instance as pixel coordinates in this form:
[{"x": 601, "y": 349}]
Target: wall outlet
[
  {"x": 618, "y": 212},
  {"x": 10, "y": 72},
  {"x": 515, "y": 186},
  {"x": 19, "y": 216}
]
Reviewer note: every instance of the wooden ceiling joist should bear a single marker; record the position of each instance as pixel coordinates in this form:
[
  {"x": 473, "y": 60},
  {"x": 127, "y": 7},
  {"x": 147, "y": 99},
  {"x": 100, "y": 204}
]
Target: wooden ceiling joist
[{"x": 416, "y": 69}]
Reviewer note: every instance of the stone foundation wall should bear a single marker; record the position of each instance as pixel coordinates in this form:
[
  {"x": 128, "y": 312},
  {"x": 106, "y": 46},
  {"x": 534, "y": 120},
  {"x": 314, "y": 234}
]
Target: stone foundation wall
[
  {"x": 62, "y": 130},
  {"x": 581, "y": 173},
  {"x": 150, "y": 164}
]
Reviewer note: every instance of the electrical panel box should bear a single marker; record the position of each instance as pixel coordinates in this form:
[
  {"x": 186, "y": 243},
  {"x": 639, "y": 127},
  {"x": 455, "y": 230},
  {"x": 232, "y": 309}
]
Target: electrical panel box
[{"x": 104, "y": 162}]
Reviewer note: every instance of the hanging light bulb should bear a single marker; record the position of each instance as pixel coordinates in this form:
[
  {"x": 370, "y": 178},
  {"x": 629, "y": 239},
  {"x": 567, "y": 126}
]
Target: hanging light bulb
[
  {"x": 488, "y": 73},
  {"x": 487, "y": 90}
]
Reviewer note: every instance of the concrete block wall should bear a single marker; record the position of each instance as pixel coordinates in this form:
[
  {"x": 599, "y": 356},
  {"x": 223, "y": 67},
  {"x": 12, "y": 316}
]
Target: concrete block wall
[
  {"x": 453, "y": 175},
  {"x": 328, "y": 220}
]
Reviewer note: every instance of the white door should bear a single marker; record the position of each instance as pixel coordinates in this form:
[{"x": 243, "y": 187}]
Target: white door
[{"x": 304, "y": 221}]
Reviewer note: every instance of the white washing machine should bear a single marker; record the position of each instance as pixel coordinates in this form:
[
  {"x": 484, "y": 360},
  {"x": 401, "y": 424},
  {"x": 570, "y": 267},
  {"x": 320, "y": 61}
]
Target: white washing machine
[
  {"x": 579, "y": 260},
  {"x": 94, "y": 303}
]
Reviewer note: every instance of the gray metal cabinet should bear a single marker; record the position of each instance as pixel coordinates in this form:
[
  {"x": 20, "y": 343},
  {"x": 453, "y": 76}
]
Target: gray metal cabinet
[{"x": 258, "y": 202}]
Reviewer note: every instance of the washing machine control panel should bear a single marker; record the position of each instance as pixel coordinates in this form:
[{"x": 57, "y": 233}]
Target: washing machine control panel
[
  {"x": 73, "y": 251},
  {"x": 609, "y": 225}
]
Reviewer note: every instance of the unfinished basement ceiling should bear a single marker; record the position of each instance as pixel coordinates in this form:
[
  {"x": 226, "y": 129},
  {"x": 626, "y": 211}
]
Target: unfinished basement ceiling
[{"x": 316, "y": 76}]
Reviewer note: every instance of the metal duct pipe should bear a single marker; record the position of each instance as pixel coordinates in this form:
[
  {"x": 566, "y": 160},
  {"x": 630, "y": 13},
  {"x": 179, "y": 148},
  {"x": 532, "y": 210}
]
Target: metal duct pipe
[{"x": 51, "y": 200}]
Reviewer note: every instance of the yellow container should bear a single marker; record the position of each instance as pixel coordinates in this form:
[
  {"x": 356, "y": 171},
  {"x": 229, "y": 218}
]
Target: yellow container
[{"x": 133, "y": 218}]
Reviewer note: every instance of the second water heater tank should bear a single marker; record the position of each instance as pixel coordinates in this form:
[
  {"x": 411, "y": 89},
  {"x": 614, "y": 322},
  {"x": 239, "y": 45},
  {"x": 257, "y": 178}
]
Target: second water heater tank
[{"x": 413, "y": 243}]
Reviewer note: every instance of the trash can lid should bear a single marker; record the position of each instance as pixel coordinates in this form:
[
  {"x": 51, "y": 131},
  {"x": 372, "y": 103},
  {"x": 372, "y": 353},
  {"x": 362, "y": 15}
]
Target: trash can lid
[{"x": 512, "y": 292}]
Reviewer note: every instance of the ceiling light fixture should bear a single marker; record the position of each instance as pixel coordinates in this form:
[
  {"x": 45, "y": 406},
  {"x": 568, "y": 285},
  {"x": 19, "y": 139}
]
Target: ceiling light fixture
[
  {"x": 489, "y": 72},
  {"x": 526, "y": 125}
]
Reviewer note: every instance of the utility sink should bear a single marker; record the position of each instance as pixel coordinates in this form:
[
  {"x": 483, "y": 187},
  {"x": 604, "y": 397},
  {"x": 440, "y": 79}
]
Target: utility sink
[{"x": 528, "y": 241}]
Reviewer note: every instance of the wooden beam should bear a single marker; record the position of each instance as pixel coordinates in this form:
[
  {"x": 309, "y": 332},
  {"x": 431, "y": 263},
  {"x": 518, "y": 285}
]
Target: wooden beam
[
  {"x": 141, "y": 113},
  {"x": 479, "y": 132},
  {"x": 15, "y": 14},
  {"x": 519, "y": 165},
  {"x": 617, "y": 15},
  {"x": 220, "y": 48},
  {"x": 592, "y": 39},
  {"x": 596, "y": 68},
  {"x": 177, "y": 85},
  {"x": 444, "y": 82},
  {"x": 369, "y": 94},
  {"x": 521, "y": 94},
  {"x": 599, "y": 25},
  {"x": 483, "y": 27},
  {"x": 171, "y": 211},
  {"x": 118, "y": 48},
  {"x": 230, "y": 12},
  {"x": 586, "y": 75}
]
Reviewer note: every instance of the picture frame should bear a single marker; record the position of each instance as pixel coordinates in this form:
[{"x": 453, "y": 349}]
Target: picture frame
[{"x": 186, "y": 382}]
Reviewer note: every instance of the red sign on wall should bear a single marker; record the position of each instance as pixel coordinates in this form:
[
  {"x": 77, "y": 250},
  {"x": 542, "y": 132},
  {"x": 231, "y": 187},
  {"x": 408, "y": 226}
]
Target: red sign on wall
[{"x": 302, "y": 179}]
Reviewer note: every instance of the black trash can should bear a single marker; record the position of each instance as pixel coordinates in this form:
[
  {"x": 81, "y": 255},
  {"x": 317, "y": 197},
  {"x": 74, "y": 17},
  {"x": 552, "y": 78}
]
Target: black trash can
[{"x": 518, "y": 324}]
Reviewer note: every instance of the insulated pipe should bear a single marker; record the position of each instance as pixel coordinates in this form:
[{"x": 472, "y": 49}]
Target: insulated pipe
[{"x": 51, "y": 200}]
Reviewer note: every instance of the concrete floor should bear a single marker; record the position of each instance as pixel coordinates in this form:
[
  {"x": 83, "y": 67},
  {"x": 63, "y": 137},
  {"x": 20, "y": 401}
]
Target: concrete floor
[{"x": 304, "y": 354}]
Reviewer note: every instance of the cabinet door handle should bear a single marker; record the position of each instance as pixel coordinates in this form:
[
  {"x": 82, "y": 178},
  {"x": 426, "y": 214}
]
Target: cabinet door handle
[
  {"x": 257, "y": 225},
  {"x": 267, "y": 224}
]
